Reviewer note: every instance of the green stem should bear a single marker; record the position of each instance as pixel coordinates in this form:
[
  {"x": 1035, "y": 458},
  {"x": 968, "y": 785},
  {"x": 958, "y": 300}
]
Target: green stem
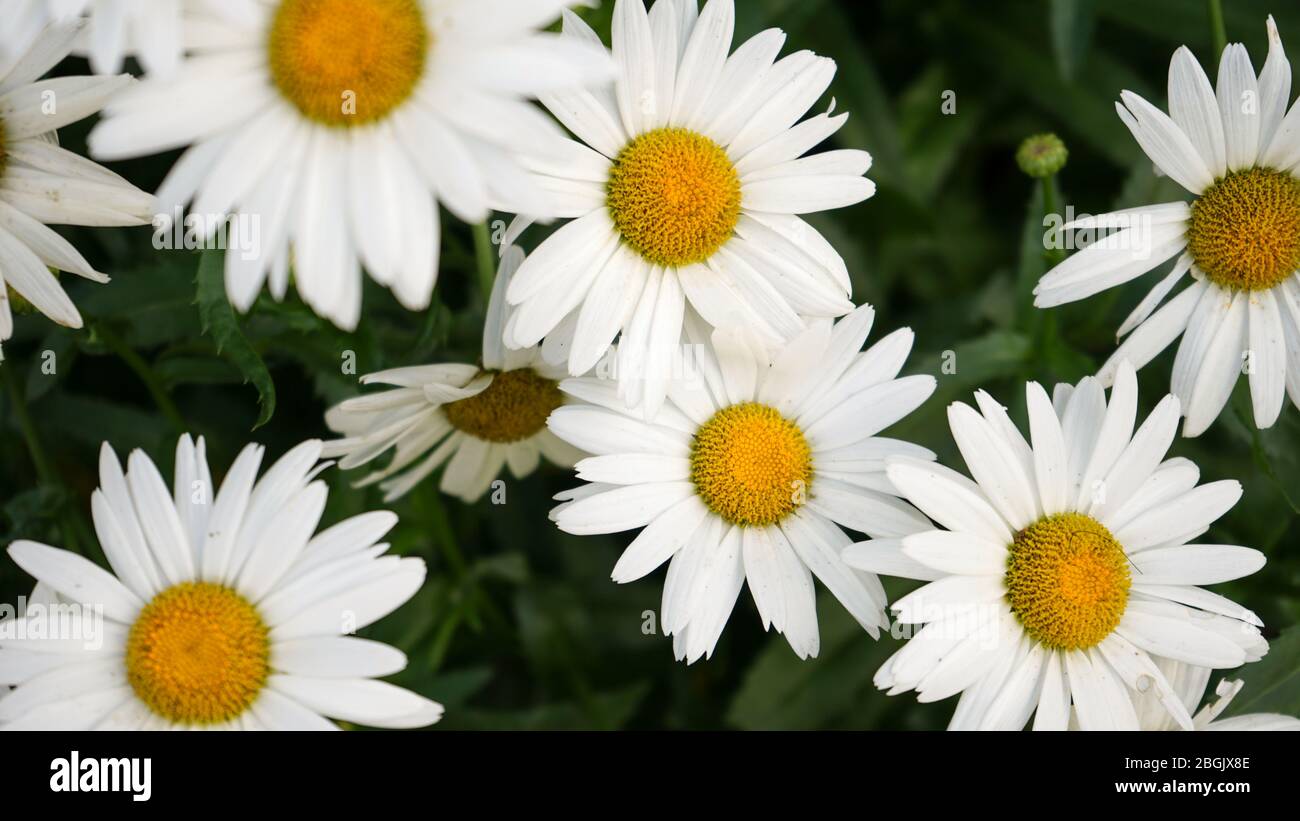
[
  {"x": 44, "y": 468},
  {"x": 1055, "y": 256},
  {"x": 446, "y": 539},
  {"x": 40, "y": 461},
  {"x": 1217, "y": 27},
  {"x": 442, "y": 640},
  {"x": 146, "y": 374},
  {"x": 485, "y": 254},
  {"x": 1260, "y": 455},
  {"x": 1042, "y": 326}
]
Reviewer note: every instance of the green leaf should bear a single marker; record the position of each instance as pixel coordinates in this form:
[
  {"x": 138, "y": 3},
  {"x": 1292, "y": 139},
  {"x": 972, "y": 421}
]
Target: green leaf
[
  {"x": 1274, "y": 449},
  {"x": 196, "y": 370},
  {"x": 1178, "y": 22},
  {"x": 1033, "y": 259},
  {"x": 860, "y": 91},
  {"x": 614, "y": 709},
  {"x": 152, "y": 304},
  {"x": 57, "y": 353},
  {"x": 1087, "y": 108},
  {"x": 1272, "y": 684},
  {"x": 1072, "y": 25},
  {"x": 782, "y": 692},
  {"x": 935, "y": 134},
  {"x": 124, "y": 426},
  {"x": 220, "y": 321}
]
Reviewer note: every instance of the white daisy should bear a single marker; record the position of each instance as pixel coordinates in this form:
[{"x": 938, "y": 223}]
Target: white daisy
[
  {"x": 1239, "y": 238},
  {"x": 24, "y": 20},
  {"x": 1189, "y": 682},
  {"x": 476, "y": 419},
  {"x": 686, "y": 192},
  {"x": 149, "y": 28},
  {"x": 341, "y": 126},
  {"x": 42, "y": 184},
  {"x": 1064, "y": 567},
  {"x": 223, "y": 610},
  {"x": 744, "y": 472}
]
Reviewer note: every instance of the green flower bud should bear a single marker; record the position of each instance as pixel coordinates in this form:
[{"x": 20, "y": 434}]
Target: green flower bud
[{"x": 1042, "y": 155}]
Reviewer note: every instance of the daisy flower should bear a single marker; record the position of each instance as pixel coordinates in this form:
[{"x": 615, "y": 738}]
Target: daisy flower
[
  {"x": 340, "y": 126},
  {"x": 1064, "y": 567},
  {"x": 744, "y": 474},
  {"x": 476, "y": 419},
  {"x": 149, "y": 28},
  {"x": 1239, "y": 238},
  {"x": 24, "y": 20},
  {"x": 1189, "y": 682},
  {"x": 685, "y": 190},
  {"x": 42, "y": 184},
  {"x": 223, "y": 610}
]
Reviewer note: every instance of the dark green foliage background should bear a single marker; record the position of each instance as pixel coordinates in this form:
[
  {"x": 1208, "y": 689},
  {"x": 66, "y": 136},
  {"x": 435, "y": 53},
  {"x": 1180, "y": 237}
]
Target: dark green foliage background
[{"x": 519, "y": 625}]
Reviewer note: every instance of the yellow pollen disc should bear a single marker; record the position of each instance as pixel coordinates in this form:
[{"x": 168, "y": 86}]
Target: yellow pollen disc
[
  {"x": 344, "y": 62},
  {"x": 751, "y": 465},
  {"x": 674, "y": 196},
  {"x": 1067, "y": 581},
  {"x": 1244, "y": 232},
  {"x": 198, "y": 654},
  {"x": 514, "y": 407}
]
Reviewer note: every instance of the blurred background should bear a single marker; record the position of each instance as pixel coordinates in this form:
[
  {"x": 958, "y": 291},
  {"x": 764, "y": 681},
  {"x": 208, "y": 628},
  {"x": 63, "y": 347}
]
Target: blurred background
[{"x": 519, "y": 625}]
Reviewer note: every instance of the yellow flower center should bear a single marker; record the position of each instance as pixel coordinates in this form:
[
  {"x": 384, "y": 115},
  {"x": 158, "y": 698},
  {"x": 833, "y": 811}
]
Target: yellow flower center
[
  {"x": 1067, "y": 581},
  {"x": 514, "y": 407},
  {"x": 674, "y": 195},
  {"x": 198, "y": 654},
  {"x": 1244, "y": 231},
  {"x": 344, "y": 62},
  {"x": 751, "y": 465}
]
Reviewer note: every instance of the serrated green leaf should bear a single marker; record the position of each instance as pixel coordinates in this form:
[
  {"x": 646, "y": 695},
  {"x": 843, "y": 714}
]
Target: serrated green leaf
[
  {"x": 220, "y": 322},
  {"x": 1272, "y": 684}
]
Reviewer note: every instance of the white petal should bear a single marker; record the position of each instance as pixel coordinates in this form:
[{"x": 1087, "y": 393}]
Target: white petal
[
  {"x": 1220, "y": 368},
  {"x": 1138, "y": 461},
  {"x": 1274, "y": 88},
  {"x": 949, "y": 498},
  {"x": 77, "y": 579},
  {"x": 336, "y": 657},
  {"x": 1177, "y": 520},
  {"x": 1195, "y": 109},
  {"x": 363, "y": 701},
  {"x": 1154, "y": 334},
  {"x": 1238, "y": 93},
  {"x": 999, "y": 473},
  {"x": 1195, "y": 564},
  {"x": 1165, "y": 143},
  {"x": 1268, "y": 359},
  {"x": 957, "y": 553},
  {"x": 660, "y": 540},
  {"x": 818, "y": 544},
  {"x": 886, "y": 558},
  {"x": 1051, "y": 468},
  {"x": 623, "y": 508}
]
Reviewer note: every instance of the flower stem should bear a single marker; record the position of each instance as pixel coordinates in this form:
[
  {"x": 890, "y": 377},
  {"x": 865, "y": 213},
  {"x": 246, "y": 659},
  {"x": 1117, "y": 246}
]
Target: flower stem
[
  {"x": 1055, "y": 256},
  {"x": 1216, "y": 26},
  {"x": 484, "y": 253},
  {"x": 40, "y": 461},
  {"x": 71, "y": 524},
  {"x": 146, "y": 374}
]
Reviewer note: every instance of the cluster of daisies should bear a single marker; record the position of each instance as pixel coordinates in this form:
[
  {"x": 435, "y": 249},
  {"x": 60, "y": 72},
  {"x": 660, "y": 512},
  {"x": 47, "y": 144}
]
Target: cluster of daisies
[{"x": 682, "y": 338}]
